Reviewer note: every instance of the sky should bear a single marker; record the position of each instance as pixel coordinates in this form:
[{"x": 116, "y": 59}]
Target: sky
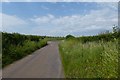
[{"x": 58, "y": 18}]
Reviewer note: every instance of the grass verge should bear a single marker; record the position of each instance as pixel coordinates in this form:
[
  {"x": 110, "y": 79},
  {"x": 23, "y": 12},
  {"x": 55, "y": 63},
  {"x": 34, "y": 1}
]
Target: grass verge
[{"x": 89, "y": 60}]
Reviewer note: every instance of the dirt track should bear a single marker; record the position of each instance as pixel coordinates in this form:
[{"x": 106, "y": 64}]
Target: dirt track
[{"x": 43, "y": 63}]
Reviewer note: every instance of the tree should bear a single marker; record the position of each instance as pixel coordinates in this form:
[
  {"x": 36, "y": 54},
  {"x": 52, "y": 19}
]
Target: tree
[{"x": 69, "y": 36}]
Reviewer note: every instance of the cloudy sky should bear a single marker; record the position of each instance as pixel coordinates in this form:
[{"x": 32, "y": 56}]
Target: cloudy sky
[{"x": 58, "y": 18}]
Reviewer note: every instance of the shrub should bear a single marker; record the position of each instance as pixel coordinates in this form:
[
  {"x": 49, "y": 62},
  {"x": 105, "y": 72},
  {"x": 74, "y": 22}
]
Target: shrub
[{"x": 16, "y": 46}]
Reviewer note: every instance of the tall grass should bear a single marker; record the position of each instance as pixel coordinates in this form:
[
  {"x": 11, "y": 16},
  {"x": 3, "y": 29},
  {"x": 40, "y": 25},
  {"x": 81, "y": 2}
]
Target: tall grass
[{"x": 89, "y": 60}]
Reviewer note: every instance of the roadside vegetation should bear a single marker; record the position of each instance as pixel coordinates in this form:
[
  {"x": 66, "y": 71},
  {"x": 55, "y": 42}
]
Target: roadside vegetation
[
  {"x": 91, "y": 56},
  {"x": 16, "y": 46}
]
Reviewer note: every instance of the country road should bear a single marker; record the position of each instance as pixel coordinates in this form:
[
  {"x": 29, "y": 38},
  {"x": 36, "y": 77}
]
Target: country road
[{"x": 43, "y": 63}]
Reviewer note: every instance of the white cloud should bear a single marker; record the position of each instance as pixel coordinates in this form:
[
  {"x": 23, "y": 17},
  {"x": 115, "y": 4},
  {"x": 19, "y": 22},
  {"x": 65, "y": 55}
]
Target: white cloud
[
  {"x": 102, "y": 19},
  {"x": 91, "y": 23},
  {"x": 43, "y": 19},
  {"x": 5, "y": 0},
  {"x": 111, "y": 5},
  {"x": 11, "y": 22}
]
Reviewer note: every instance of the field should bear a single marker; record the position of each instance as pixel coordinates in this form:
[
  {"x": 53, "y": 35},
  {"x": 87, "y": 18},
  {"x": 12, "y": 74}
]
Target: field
[{"x": 93, "y": 59}]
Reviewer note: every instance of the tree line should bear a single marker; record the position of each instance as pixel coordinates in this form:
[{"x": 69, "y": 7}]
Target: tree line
[{"x": 105, "y": 36}]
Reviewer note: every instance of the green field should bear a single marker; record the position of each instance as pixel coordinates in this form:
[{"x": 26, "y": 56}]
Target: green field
[{"x": 89, "y": 60}]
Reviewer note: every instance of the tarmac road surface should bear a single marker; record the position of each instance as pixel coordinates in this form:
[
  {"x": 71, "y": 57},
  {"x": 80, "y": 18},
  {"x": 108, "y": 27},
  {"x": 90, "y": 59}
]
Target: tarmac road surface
[{"x": 43, "y": 63}]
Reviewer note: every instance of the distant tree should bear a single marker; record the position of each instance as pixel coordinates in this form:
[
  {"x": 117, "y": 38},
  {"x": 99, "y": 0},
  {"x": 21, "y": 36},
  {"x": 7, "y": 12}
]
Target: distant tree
[{"x": 69, "y": 36}]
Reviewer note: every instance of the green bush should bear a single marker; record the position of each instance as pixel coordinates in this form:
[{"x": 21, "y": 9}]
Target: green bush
[
  {"x": 42, "y": 43},
  {"x": 16, "y": 46}
]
